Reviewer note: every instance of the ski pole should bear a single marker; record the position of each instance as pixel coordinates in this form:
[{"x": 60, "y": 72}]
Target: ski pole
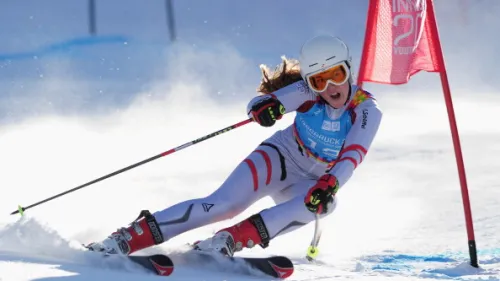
[
  {"x": 313, "y": 251},
  {"x": 21, "y": 209}
]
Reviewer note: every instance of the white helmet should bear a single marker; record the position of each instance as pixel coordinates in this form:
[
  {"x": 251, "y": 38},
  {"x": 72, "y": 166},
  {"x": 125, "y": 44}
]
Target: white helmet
[{"x": 321, "y": 52}]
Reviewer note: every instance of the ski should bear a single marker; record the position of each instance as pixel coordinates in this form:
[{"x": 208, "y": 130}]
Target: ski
[
  {"x": 157, "y": 263},
  {"x": 275, "y": 266}
]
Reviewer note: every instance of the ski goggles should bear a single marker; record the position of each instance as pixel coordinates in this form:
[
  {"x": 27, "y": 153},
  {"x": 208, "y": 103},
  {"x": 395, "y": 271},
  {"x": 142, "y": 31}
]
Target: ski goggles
[{"x": 337, "y": 74}]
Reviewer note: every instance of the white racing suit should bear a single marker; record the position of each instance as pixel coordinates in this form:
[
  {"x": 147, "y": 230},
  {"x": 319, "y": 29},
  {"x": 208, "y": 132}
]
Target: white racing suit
[
  {"x": 285, "y": 166},
  {"x": 321, "y": 140}
]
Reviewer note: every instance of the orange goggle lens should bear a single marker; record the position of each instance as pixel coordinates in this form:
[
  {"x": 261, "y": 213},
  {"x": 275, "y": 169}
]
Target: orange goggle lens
[{"x": 337, "y": 74}]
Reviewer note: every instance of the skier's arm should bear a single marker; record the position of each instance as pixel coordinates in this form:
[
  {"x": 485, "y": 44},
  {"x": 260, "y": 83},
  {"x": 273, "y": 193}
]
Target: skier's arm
[
  {"x": 358, "y": 140},
  {"x": 292, "y": 97}
]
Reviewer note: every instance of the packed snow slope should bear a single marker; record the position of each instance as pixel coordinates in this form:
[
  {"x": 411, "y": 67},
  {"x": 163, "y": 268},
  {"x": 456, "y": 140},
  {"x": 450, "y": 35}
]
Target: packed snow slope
[{"x": 74, "y": 108}]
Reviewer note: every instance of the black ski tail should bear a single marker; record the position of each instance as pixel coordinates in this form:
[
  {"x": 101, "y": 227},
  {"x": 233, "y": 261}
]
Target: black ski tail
[
  {"x": 276, "y": 266},
  {"x": 158, "y": 263}
]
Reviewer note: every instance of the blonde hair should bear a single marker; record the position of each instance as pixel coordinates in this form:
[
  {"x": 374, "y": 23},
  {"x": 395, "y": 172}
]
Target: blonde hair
[{"x": 286, "y": 73}]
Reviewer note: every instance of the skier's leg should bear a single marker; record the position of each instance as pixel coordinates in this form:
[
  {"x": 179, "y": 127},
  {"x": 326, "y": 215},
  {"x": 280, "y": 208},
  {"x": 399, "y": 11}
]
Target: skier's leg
[
  {"x": 290, "y": 215},
  {"x": 263, "y": 172},
  {"x": 271, "y": 222},
  {"x": 299, "y": 188}
]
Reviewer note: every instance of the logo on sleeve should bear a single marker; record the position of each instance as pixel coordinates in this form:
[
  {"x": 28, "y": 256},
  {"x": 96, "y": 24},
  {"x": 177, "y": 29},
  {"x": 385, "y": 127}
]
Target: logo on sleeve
[
  {"x": 365, "y": 118},
  {"x": 303, "y": 88}
]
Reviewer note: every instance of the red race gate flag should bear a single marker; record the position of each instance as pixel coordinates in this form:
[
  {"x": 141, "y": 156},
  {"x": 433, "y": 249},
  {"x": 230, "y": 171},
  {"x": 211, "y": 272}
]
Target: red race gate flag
[
  {"x": 402, "y": 39},
  {"x": 399, "y": 42}
]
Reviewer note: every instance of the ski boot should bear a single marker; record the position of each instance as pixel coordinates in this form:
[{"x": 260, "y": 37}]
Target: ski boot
[
  {"x": 142, "y": 233},
  {"x": 227, "y": 241}
]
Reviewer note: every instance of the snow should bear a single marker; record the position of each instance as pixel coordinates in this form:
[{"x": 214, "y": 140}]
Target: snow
[{"x": 72, "y": 110}]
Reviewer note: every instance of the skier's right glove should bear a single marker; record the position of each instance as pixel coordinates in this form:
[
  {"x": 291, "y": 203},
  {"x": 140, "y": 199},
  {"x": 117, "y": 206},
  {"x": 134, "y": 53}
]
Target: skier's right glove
[
  {"x": 320, "y": 196},
  {"x": 266, "y": 111}
]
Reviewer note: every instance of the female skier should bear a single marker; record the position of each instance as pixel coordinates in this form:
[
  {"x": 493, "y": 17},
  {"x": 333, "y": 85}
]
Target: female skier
[{"x": 301, "y": 167}]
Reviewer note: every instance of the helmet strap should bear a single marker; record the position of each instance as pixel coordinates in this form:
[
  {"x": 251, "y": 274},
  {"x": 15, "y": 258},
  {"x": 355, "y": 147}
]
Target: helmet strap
[{"x": 350, "y": 92}]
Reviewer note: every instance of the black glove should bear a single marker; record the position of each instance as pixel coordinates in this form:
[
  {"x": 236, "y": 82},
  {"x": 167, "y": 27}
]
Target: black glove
[
  {"x": 266, "y": 111},
  {"x": 320, "y": 196}
]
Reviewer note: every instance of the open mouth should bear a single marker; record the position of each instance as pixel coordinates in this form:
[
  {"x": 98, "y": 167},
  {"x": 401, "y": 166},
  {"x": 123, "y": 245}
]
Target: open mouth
[{"x": 335, "y": 96}]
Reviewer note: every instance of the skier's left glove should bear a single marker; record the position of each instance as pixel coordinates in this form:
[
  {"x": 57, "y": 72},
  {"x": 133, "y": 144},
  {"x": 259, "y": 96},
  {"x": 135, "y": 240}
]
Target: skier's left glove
[{"x": 320, "y": 196}]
